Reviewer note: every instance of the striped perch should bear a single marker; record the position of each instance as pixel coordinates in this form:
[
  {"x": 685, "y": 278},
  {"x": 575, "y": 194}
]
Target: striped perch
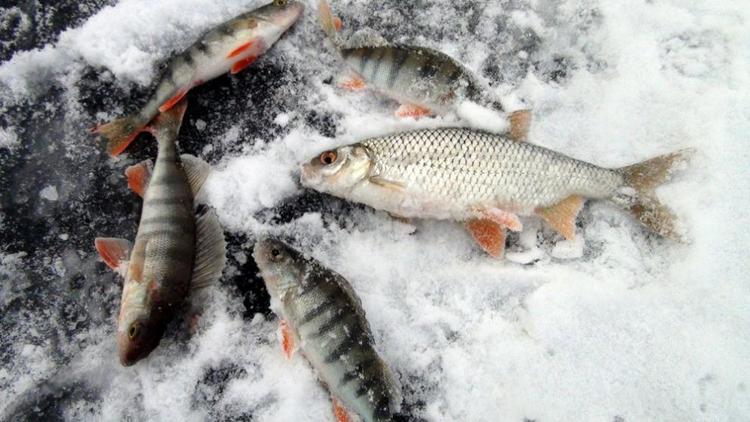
[
  {"x": 323, "y": 316},
  {"x": 230, "y": 47},
  {"x": 423, "y": 80},
  {"x": 175, "y": 252}
]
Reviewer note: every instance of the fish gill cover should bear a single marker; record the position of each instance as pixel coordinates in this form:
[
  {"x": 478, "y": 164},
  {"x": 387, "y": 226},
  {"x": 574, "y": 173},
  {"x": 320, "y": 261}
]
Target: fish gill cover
[{"x": 617, "y": 325}]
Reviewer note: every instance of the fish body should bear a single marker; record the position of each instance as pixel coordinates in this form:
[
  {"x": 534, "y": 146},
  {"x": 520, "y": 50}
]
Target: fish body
[
  {"x": 168, "y": 258},
  {"x": 327, "y": 321},
  {"x": 230, "y": 47},
  {"x": 467, "y": 175}
]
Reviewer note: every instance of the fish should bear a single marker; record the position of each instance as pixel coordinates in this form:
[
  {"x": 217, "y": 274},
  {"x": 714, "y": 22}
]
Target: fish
[
  {"x": 323, "y": 317},
  {"x": 230, "y": 47},
  {"x": 423, "y": 80},
  {"x": 177, "y": 251},
  {"x": 487, "y": 181}
]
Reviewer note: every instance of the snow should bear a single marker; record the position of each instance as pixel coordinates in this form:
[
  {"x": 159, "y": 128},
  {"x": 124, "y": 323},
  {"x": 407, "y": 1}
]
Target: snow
[{"x": 617, "y": 325}]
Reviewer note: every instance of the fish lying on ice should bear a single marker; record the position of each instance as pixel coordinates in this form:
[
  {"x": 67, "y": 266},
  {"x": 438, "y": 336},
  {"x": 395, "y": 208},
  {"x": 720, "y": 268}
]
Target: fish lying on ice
[
  {"x": 324, "y": 318},
  {"x": 175, "y": 252},
  {"x": 230, "y": 47},
  {"x": 486, "y": 181},
  {"x": 423, "y": 80}
]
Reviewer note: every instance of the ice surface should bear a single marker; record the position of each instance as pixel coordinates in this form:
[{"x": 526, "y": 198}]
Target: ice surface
[{"x": 617, "y": 326}]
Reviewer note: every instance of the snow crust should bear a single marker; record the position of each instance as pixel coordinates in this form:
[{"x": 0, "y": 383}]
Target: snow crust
[{"x": 618, "y": 325}]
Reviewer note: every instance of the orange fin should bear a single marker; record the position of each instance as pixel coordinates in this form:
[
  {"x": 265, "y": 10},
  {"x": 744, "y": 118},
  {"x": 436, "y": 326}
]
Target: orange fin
[
  {"x": 411, "y": 110},
  {"x": 562, "y": 216},
  {"x": 353, "y": 83},
  {"x": 174, "y": 100},
  {"x": 504, "y": 218},
  {"x": 237, "y": 51},
  {"x": 337, "y": 23},
  {"x": 339, "y": 411},
  {"x": 138, "y": 176},
  {"x": 489, "y": 235},
  {"x": 520, "y": 121},
  {"x": 242, "y": 64},
  {"x": 119, "y": 133},
  {"x": 113, "y": 251},
  {"x": 287, "y": 340}
]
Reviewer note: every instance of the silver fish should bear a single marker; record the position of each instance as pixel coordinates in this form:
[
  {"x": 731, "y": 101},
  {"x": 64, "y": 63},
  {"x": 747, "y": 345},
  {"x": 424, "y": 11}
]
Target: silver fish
[
  {"x": 323, "y": 316},
  {"x": 422, "y": 79},
  {"x": 486, "y": 180},
  {"x": 230, "y": 47},
  {"x": 175, "y": 252}
]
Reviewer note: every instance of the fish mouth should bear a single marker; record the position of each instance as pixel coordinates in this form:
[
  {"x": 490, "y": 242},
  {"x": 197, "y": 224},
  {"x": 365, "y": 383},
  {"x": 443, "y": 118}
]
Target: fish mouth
[{"x": 308, "y": 177}]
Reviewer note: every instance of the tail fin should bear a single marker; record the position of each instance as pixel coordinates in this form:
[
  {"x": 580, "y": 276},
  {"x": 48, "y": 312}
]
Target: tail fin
[
  {"x": 166, "y": 125},
  {"x": 328, "y": 22},
  {"x": 119, "y": 133},
  {"x": 642, "y": 179}
]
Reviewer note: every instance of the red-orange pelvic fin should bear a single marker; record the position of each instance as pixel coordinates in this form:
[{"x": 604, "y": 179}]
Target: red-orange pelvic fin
[
  {"x": 113, "y": 251},
  {"x": 505, "y": 219},
  {"x": 562, "y": 216},
  {"x": 338, "y": 24},
  {"x": 287, "y": 340},
  {"x": 412, "y": 110},
  {"x": 489, "y": 235},
  {"x": 242, "y": 64},
  {"x": 353, "y": 83},
  {"x": 174, "y": 100},
  {"x": 138, "y": 176},
  {"x": 237, "y": 51},
  {"x": 339, "y": 411}
]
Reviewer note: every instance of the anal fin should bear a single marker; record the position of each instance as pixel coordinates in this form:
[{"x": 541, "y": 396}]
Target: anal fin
[
  {"x": 562, "y": 216},
  {"x": 113, "y": 251},
  {"x": 489, "y": 235},
  {"x": 210, "y": 251},
  {"x": 196, "y": 170},
  {"x": 504, "y": 218},
  {"x": 174, "y": 100},
  {"x": 520, "y": 122},
  {"x": 138, "y": 177}
]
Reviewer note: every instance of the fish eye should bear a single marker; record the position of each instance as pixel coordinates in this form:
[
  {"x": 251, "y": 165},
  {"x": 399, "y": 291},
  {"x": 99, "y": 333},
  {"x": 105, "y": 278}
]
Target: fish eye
[
  {"x": 280, "y": 3},
  {"x": 328, "y": 158},
  {"x": 275, "y": 254},
  {"x": 134, "y": 330}
]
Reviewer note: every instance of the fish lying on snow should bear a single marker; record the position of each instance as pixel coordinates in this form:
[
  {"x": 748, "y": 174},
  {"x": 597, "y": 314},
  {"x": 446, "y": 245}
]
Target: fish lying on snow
[
  {"x": 230, "y": 47},
  {"x": 175, "y": 252},
  {"x": 324, "y": 318},
  {"x": 486, "y": 181},
  {"x": 423, "y": 80}
]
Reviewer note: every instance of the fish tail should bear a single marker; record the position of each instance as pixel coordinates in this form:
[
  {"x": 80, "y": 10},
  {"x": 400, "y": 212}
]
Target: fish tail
[
  {"x": 639, "y": 198},
  {"x": 166, "y": 125},
  {"x": 120, "y": 133},
  {"x": 327, "y": 21}
]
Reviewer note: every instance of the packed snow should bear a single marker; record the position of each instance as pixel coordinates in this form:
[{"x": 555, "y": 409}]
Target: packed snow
[{"x": 617, "y": 325}]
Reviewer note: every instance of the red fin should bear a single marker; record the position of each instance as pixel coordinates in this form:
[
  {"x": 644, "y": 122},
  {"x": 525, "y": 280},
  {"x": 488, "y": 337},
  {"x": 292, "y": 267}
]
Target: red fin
[
  {"x": 411, "y": 110},
  {"x": 353, "y": 83},
  {"x": 287, "y": 340},
  {"x": 138, "y": 176},
  {"x": 119, "y": 133},
  {"x": 562, "y": 216},
  {"x": 504, "y": 218},
  {"x": 489, "y": 235},
  {"x": 337, "y": 23},
  {"x": 237, "y": 51},
  {"x": 520, "y": 121},
  {"x": 113, "y": 251},
  {"x": 339, "y": 411},
  {"x": 242, "y": 64},
  {"x": 174, "y": 100}
]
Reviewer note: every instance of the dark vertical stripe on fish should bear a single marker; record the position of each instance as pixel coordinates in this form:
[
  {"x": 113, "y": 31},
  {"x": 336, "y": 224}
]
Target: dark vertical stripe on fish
[
  {"x": 399, "y": 58},
  {"x": 428, "y": 69},
  {"x": 364, "y": 58},
  {"x": 358, "y": 371},
  {"x": 166, "y": 201},
  {"x": 318, "y": 310},
  {"x": 344, "y": 347},
  {"x": 375, "y": 61},
  {"x": 333, "y": 322}
]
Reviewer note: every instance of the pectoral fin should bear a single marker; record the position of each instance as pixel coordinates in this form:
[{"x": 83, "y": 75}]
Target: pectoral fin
[
  {"x": 196, "y": 170},
  {"x": 288, "y": 345},
  {"x": 138, "y": 177},
  {"x": 489, "y": 235},
  {"x": 389, "y": 184},
  {"x": 113, "y": 251},
  {"x": 210, "y": 251},
  {"x": 562, "y": 216},
  {"x": 237, "y": 51}
]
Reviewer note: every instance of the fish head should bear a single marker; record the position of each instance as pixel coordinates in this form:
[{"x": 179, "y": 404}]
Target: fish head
[
  {"x": 281, "y": 13},
  {"x": 282, "y": 267},
  {"x": 137, "y": 337},
  {"x": 337, "y": 171}
]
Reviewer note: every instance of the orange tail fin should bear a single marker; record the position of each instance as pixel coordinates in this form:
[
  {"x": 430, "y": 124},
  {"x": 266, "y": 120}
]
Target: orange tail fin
[{"x": 119, "y": 133}]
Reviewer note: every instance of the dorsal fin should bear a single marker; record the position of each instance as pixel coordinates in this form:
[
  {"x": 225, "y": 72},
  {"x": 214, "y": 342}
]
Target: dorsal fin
[
  {"x": 210, "y": 251},
  {"x": 196, "y": 170},
  {"x": 366, "y": 38}
]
